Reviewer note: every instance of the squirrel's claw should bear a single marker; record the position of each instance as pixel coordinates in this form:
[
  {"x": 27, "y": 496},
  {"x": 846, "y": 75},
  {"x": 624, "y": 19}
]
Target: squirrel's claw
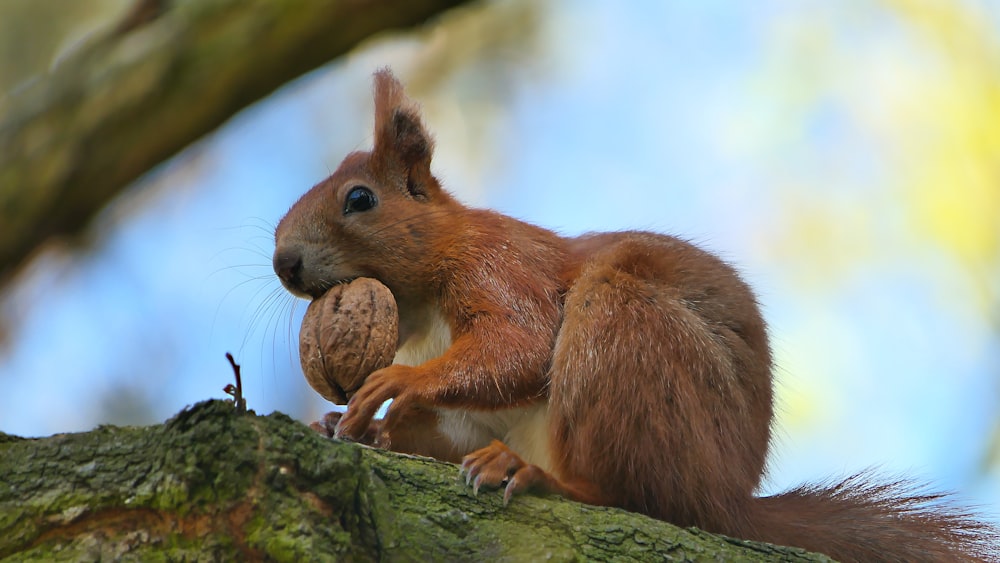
[{"x": 493, "y": 466}]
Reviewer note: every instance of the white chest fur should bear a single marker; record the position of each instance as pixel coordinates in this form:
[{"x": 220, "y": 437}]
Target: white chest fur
[
  {"x": 523, "y": 429},
  {"x": 431, "y": 337}
]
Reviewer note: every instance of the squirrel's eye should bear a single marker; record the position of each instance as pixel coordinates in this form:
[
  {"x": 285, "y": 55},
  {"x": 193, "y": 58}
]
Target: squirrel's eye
[{"x": 359, "y": 198}]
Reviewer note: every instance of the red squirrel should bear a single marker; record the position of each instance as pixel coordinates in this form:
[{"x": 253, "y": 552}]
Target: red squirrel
[{"x": 626, "y": 369}]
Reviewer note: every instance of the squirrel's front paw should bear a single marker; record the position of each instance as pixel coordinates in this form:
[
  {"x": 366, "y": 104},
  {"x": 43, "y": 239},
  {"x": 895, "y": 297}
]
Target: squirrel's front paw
[{"x": 384, "y": 384}]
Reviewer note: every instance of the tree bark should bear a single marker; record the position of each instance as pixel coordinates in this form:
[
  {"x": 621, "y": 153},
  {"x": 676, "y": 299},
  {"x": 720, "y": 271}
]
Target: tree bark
[
  {"x": 211, "y": 484},
  {"x": 168, "y": 73}
]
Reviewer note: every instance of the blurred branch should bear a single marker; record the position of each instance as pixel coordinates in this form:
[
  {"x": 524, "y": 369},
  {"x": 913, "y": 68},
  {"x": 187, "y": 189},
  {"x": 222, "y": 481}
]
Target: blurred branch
[{"x": 165, "y": 75}]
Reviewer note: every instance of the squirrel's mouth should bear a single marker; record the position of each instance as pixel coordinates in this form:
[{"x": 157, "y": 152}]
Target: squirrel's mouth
[
  {"x": 300, "y": 288},
  {"x": 306, "y": 277},
  {"x": 321, "y": 291}
]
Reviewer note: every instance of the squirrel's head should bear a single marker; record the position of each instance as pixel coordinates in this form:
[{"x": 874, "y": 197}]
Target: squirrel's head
[{"x": 371, "y": 217}]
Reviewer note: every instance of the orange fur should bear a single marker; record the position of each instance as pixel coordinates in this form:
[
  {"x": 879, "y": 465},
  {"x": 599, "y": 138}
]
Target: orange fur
[{"x": 633, "y": 366}]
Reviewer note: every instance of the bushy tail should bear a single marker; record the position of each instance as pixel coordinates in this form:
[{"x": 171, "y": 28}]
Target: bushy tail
[{"x": 861, "y": 520}]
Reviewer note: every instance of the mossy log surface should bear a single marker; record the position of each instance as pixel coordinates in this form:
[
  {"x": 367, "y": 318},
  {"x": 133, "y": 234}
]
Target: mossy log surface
[
  {"x": 210, "y": 484},
  {"x": 159, "y": 80}
]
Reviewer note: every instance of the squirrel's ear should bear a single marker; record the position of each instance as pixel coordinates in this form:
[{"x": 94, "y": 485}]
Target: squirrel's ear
[{"x": 400, "y": 137}]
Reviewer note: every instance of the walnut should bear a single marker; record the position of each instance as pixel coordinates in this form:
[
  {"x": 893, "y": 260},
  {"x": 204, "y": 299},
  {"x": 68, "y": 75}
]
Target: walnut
[{"x": 348, "y": 333}]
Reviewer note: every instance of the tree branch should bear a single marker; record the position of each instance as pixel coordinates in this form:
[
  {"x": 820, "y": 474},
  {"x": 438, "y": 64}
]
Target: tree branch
[
  {"x": 211, "y": 484},
  {"x": 168, "y": 73}
]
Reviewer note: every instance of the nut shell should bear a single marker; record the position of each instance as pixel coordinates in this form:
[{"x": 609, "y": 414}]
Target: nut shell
[{"x": 348, "y": 333}]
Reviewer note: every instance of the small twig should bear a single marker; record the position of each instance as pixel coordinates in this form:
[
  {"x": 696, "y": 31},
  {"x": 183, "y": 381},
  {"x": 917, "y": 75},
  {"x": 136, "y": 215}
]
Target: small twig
[{"x": 236, "y": 390}]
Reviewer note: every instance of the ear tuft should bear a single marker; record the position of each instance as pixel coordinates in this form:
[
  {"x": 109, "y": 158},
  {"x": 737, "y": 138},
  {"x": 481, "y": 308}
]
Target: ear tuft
[
  {"x": 388, "y": 97},
  {"x": 400, "y": 137}
]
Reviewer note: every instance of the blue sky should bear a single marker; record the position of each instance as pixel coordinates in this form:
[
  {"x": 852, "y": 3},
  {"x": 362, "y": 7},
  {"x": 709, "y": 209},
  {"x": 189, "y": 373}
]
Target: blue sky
[{"x": 688, "y": 118}]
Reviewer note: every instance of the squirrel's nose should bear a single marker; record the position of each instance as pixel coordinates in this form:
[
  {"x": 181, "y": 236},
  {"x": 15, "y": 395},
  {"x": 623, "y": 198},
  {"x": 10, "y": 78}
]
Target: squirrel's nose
[{"x": 287, "y": 264}]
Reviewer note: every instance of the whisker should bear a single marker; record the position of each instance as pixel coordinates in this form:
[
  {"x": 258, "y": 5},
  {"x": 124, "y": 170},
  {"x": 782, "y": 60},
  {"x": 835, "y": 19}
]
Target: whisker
[
  {"x": 262, "y": 321},
  {"x": 291, "y": 330},
  {"x": 263, "y": 279},
  {"x": 241, "y": 270},
  {"x": 265, "y": 311}
]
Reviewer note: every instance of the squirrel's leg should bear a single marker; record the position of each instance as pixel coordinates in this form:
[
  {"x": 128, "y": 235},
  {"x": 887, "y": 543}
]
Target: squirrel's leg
[
  {"x": 657, "y": 402},
  {"x": 653, "y": 394}
]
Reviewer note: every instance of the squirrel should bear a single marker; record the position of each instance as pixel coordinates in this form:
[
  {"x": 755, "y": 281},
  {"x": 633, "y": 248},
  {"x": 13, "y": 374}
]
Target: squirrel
[{"x": 626, "y": 369}]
